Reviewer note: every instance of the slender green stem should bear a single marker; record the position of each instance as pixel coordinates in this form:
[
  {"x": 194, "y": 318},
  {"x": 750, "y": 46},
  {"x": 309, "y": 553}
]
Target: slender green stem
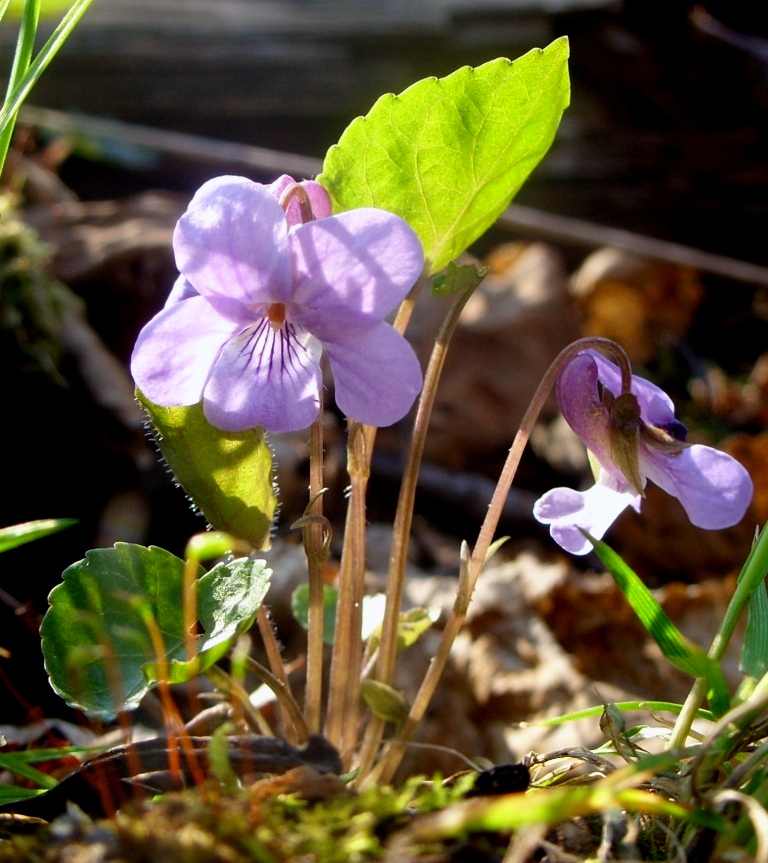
[
  {"x": 316, "y": 551},
  {"x": 24, "y": 44},
  {"x": 687, "y": 715},
  {"x": 403, "y": 520},
  {"x": 4, "y": 4},
  {"x": 751, "y": 576}
]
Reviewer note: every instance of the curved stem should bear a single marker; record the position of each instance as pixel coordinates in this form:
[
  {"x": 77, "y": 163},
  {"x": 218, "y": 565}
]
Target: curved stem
[
  {"x": 239, "y": 699},
  {"x": 471, "y": 568},
  {"x": 296, "y": 192},
  {"x": 284, "y": 697}
]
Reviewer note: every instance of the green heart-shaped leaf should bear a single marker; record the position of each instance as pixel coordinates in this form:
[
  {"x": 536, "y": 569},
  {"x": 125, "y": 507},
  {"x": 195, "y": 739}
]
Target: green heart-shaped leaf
[{"x": 117, "y": 619}]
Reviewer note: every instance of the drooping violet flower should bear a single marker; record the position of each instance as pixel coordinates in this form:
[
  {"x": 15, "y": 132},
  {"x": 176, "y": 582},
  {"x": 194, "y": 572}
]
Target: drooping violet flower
[
  {"x": 633, "y": 438},
  {"x": 263, "y": 291}
]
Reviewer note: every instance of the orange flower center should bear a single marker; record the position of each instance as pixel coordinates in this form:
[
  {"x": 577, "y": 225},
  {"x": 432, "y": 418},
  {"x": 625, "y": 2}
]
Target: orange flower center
[{"x": 276, "y": 315}]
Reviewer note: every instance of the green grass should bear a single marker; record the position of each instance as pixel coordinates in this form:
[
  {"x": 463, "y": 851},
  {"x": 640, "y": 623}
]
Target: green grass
[{"x": 48, "y": 8}]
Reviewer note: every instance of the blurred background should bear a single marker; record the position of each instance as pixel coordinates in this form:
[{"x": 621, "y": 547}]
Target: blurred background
[{"x": 666, "y": 133}]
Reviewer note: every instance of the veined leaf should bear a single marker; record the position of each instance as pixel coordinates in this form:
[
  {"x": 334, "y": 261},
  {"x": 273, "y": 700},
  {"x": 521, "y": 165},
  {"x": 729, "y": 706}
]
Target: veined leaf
[
  {"x": 750, "y": 590},
  {"x": 228, "y": 475},
  {"x": 449, "y": 154},
  {"x": 115, "y": 625},
  {"x": 754, "y": 651}
]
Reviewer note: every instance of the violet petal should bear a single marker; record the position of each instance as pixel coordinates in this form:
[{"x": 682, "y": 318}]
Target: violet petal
[
  {"x": 175, "y": 351},
  {"x": 233, "y": 242},
  {"x": 352, "y": 269},
  {"x": 376, "y": 375},
  {"x": 714, "y": 489},
  {"x": 656, "y": 407},
  {"x": 268, "y": 378},
  {"x": 579, "y": 400},
  {"x": 181, "y": 290}
]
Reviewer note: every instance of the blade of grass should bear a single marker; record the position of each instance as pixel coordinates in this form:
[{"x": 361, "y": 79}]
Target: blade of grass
[
  {"x": 675, "y": 647},
  {"x": 754, "y": 651},
  {"x": 21, "y": 768},
  {"x": 18, "y": 534},
  {"x": 25, "y": 44},
  {"x": 13, "y": 793},
  {"x": 40, "y": 63},
  {"x": 593, "y": 712},
  {"x": 4, "y": 4},
  {"x": 751, "y": 577}
]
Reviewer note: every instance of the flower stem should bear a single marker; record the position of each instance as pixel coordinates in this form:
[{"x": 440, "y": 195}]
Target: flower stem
[
  {"x": 471, "y": 568},
  {"x": 239, "y": 699},
  {"x": 284, "y": 698},
  {"x": 344, "y": 687},
  {"x": 296, "y": 192},
  {"x": 315, "y": 548},
  {"x": 403, "y": 520},
  {"x": 272, "y": 649}
]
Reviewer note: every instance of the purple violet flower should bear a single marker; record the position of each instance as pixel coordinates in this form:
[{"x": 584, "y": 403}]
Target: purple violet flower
[
  {"x": 263, "y": 291},
  {"x": 633, "y": 438}
]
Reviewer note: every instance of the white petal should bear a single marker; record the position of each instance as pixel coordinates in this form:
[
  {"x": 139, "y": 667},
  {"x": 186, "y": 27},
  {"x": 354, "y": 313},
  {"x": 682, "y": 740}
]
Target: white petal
[{"x": 594, "y": 510}]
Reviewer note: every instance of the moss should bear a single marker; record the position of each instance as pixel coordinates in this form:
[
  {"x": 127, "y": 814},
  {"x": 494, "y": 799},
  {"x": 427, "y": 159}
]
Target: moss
[
  {"x": 32, "y": 302},
  {"x": 203, "y": 825}
]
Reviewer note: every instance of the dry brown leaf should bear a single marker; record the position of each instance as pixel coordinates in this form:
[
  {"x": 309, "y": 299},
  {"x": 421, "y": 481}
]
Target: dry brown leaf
[{"x": 639, "y": 302}]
